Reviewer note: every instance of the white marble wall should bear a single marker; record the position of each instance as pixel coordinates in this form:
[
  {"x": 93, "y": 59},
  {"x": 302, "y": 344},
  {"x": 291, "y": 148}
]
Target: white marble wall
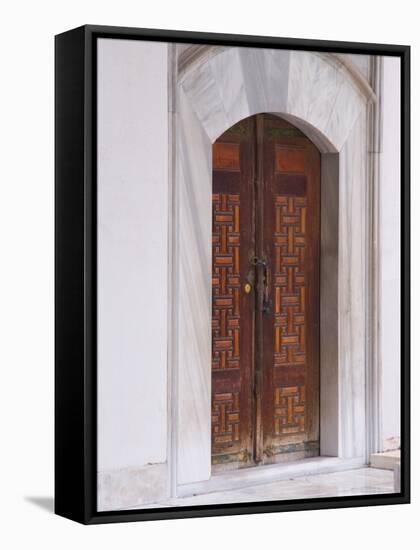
[
  {"x": 132, "y": 271},
  {"x": 322, "y": 97}
]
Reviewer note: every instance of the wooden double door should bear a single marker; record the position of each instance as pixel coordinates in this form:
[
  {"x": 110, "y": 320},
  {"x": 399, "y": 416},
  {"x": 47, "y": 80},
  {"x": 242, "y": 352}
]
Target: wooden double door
[{"x": 265, "y": 294}]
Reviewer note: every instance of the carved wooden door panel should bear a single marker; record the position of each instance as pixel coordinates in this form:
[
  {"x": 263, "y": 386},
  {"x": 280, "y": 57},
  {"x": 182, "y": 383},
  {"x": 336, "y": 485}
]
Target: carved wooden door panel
[
  {"x": 265, "y": 294},
  {"x": 291, "y": 241},
  {"x": 232, "y": 307}
]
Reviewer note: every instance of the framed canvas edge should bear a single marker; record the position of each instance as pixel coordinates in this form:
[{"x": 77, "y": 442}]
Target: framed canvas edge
[{"x": 83, "y": 386}]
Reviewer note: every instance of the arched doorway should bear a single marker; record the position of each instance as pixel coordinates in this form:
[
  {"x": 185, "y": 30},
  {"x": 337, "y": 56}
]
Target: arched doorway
[
  {"x": 207, "y": 104},
  {"x": 265, "y": 294}
]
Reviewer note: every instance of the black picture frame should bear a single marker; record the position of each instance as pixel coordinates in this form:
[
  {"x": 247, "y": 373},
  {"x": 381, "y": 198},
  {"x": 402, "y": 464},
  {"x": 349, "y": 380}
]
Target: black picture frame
[{"x": 76, "y": 269}]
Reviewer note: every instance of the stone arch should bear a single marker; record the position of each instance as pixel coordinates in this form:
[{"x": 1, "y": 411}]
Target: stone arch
[
  {"x": 232, "y": 83},
  {"x": 321, "y": 95}
]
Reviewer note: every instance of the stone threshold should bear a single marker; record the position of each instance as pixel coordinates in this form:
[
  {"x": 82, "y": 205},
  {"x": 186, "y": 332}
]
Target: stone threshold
[{"x": 258, "y": 475}]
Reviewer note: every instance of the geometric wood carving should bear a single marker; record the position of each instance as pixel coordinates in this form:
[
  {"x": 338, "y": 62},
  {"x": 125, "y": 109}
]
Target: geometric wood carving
[
  {"x": 225, "y": 419},
  {"x": 289, "y": 281},
  {"x": 289, "y": 410},
  {"x": 225, "y": 282}
]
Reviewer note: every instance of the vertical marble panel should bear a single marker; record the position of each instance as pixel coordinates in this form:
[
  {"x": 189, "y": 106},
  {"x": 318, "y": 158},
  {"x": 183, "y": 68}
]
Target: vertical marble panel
[
  {"x": 390, "y": 255},
  {"x": 352, "y": 291},
  {"x": 329, "y": 373},
  {"x": 194, "y": 300}
]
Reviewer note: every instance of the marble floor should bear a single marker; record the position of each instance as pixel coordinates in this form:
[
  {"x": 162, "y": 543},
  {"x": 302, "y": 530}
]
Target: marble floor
[{"x": 361, "y": 481}]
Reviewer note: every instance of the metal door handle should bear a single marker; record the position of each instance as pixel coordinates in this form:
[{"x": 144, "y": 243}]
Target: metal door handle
[
  {"x": 267, "y": 283},
  {"x": 266, "y": 276}
]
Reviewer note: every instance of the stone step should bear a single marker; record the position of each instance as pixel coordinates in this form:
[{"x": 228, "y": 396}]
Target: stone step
[{"x": 385, "y": 461}]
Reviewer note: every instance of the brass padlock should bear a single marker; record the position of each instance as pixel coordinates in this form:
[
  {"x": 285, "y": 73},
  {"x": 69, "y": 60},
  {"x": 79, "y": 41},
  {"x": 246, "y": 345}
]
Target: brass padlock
[{"x": 247, "y": 288}]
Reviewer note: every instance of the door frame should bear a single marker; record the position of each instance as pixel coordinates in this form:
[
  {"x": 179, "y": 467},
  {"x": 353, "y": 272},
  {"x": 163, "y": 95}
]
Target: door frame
[{"x": 347, "y": 364}]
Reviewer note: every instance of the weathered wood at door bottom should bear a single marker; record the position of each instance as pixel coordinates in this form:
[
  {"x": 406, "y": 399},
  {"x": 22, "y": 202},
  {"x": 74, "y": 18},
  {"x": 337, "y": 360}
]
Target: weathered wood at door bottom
[{"x": 272, "y": 455}]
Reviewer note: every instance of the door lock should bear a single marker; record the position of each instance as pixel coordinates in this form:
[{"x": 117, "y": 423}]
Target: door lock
[
  {"x": 247, "y": 288},
  {"x": 257, "y": 261}
]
